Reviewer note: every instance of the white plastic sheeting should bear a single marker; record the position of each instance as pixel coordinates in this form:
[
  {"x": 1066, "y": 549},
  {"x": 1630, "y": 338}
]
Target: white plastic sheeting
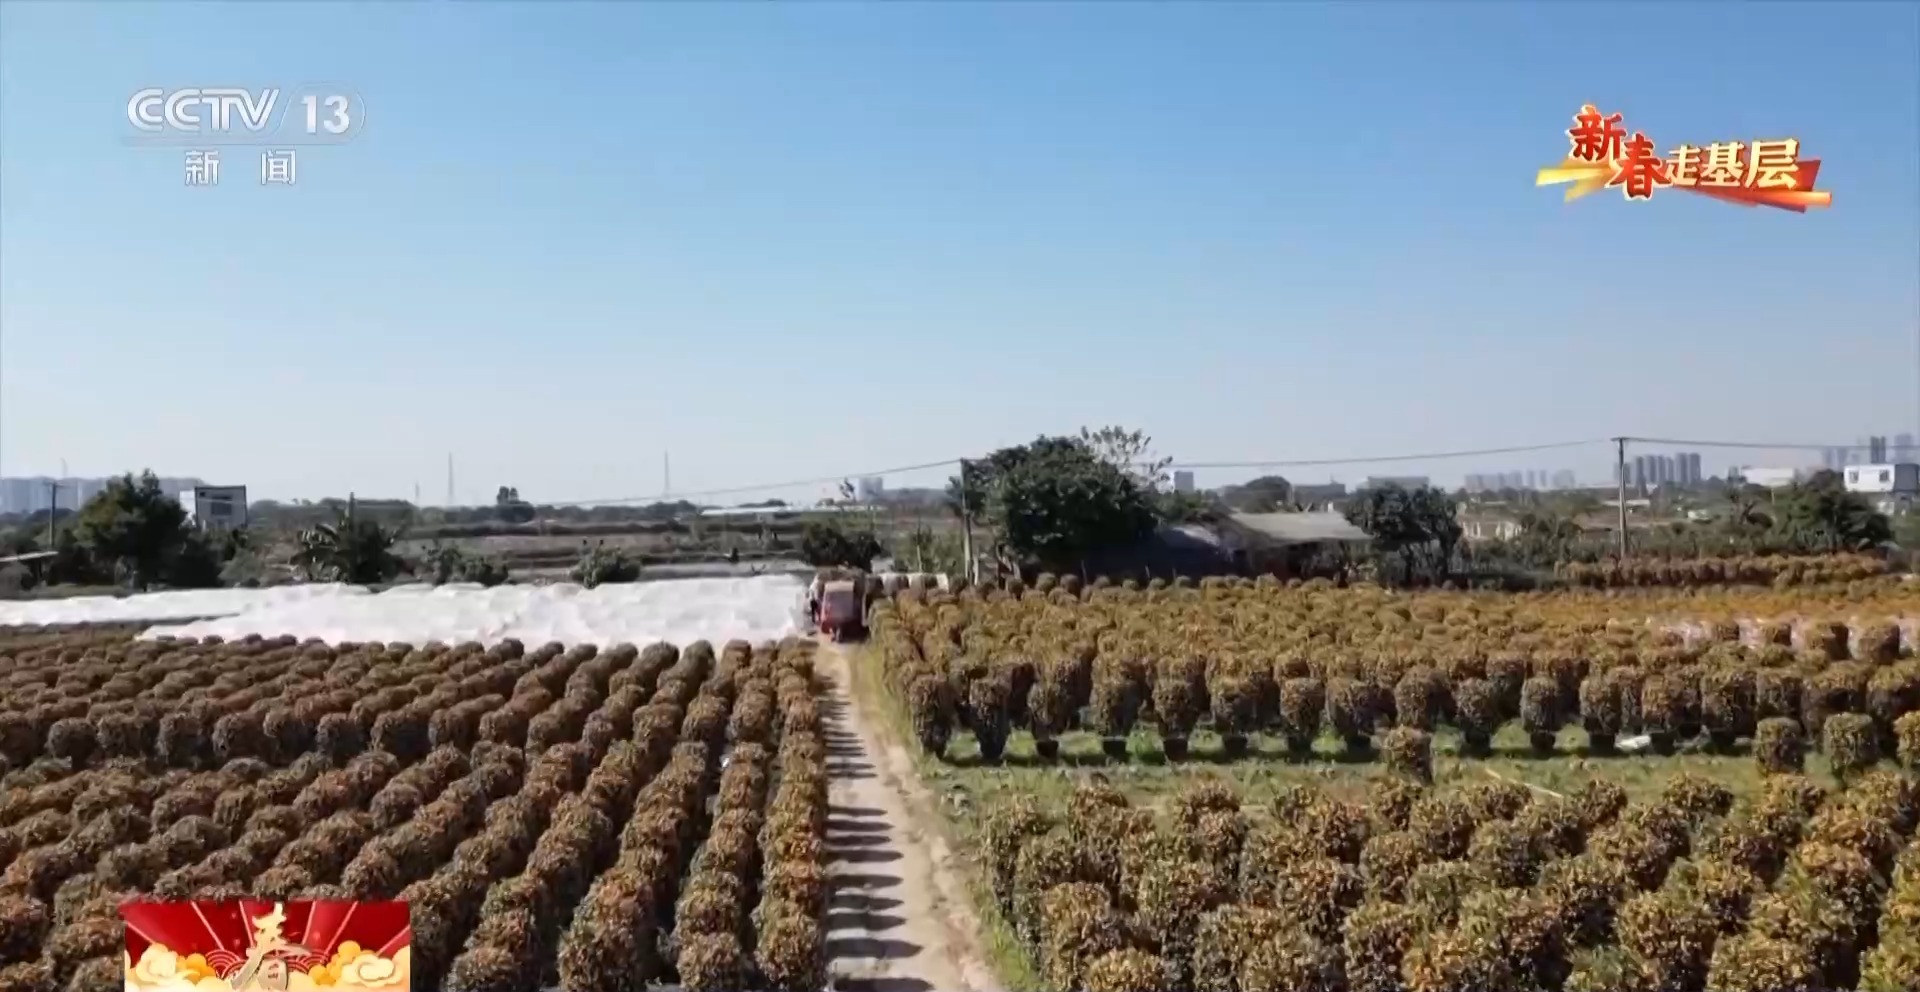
[
  {"x": 638, "y": 613},
  {"x": 679, "y": 611},
  {"x": 182, "y": 605}
]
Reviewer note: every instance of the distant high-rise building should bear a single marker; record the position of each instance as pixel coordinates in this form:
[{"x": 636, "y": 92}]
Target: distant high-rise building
[
  {"x": 1313, "y": 493},
  {"x": 1694, "y": 475},
  {"x": 1563, "y": 479},
  {"x": 1903, "y": 448},
  {"x": 1183, "y": 482},
  {"x": 36, "y": 493},
  {"x": 1877, "y": 450},
  {"x": 1403, "y": 481},
  {"x": 1639, "y": 479},
  {"x": 870, "y": 489}
]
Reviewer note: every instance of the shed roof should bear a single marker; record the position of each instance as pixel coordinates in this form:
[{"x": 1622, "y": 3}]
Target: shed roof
[{"x": 1300, "y": 528}]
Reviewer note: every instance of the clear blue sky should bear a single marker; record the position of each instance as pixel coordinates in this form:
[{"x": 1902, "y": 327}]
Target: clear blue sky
[{"x": 789, "y": 240}]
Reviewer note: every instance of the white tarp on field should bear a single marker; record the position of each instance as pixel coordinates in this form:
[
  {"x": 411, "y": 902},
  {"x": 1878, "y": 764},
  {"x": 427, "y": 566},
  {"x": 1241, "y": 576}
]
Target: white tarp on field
[
  {"x": 678, "y": 611},
  {"x": 181, "y": 605}
]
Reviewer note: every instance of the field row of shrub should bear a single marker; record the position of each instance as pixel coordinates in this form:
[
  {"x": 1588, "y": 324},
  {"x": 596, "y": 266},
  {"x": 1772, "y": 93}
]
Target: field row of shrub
[
  {"x": 1779, "y": 571},
  {"x": 1246, "y": 661},
  {"x": 540, "y": 811},
  {"x": 1488, "y": 886}
]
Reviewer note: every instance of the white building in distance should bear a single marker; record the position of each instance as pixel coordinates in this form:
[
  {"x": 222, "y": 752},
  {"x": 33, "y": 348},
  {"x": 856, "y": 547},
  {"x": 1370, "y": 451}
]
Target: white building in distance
[
  {"x": 1890, "y": 486},
  {"x": 1771, "y": 478},
  {"x": 219, "y": 506}
]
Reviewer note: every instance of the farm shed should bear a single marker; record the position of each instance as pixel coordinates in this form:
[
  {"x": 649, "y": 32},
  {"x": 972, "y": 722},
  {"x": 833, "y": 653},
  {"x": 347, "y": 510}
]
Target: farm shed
[{"x": 1283, "y": 543}]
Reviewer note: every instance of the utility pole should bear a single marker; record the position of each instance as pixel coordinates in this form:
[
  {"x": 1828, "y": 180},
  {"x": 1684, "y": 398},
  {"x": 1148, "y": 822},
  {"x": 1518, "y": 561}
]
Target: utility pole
[
  {"x": 966, "y": 526},
  {"x": 450, "y": 497},
  {"x": 1620, "y": 478},
  {"x": 53, "y": 509}
]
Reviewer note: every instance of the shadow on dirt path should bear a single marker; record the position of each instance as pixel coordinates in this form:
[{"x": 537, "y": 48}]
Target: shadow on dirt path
[{"x": 890, "y": 924}]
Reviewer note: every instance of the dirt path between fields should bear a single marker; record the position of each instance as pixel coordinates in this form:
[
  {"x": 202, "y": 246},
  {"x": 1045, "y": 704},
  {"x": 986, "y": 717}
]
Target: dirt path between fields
[{"x": 898, "y": 919}]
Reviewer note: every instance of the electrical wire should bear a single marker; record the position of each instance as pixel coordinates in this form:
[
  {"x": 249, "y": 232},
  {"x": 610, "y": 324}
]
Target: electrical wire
[
  {"x": 1782, "y": 445},
  {"x": 1427, "y": 456},
  {"x": 1276, "y": 463},
  {"x": 762, "y": 487}
]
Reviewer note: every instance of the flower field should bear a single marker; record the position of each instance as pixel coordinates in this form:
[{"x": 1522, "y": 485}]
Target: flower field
[
  {"x": 1372, "y": 672},
  {"x": 1323, "y": 852},
  {"x": 1487, "y": 886},
  {"x": 579, "y": 818}
]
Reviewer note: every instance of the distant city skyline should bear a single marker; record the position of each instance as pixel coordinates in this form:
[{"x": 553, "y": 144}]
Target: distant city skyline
[
  {"x": 31, "y": 494},
  {"x": 1539, "y": 479}
]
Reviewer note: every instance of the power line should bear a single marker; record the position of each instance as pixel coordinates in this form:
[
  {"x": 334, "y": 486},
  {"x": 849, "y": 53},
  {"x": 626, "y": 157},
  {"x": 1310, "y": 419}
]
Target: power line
[
  {"x": 1776, "y": 445},
  {"x": 762, "y": 487},
  {"x": 1427, "y": 456},
  {"x": 1274, "y": 463}
]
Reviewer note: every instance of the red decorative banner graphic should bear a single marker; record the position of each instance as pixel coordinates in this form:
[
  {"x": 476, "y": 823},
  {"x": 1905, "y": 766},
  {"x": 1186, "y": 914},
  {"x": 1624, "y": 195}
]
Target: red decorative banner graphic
[
  {"x": 299, "y": 946},
  {"x": 1764, "y": 172}
]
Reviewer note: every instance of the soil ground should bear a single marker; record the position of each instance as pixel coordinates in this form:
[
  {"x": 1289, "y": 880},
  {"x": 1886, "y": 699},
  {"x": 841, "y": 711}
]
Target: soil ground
[{"x": 899, "y": 917}]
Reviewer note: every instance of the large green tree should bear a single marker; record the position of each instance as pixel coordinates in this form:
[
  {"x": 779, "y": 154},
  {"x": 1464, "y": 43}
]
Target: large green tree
[
  {"x": 1820, "y": 515},
  {"x": 829, "y": 544},
  {"x": 1052, "y": 502},
  {"x": 510, "y": 508},
  {"x": 1420, "y": 526},
  {"x": 134, "y": 529}
]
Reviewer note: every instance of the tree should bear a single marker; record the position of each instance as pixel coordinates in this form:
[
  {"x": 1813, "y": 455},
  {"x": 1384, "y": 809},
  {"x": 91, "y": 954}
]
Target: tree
[
  {"x": 1819, "y": 514},
  {"x": 828, "y": 544},
  {"x": 1420, "y": 526},
  {"x": 1437, "y": 517},
  {"x": 1266, "y": 494},
  {"x": 448, "y": 563},
  {"x": 1744, "y": 516},
  {"x": 1185, "y": 508},
  {"x": 350, "y": 549},
  {"x": 73, "y": 563},
  {"x": 1131, "y": 452},
  {"x": 1054, "y": 501},
  {"x": 198, "y": 562},
  {"x": 133, "y": 528},
  {"x": 510, "y": 508},
  {"x": 1546, "y": 538},
  {"x": 600, "y": 564}
]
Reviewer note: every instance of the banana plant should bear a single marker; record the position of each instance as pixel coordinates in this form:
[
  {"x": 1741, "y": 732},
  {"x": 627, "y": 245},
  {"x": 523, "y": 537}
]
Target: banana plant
[{"x": 358, "y": 551}]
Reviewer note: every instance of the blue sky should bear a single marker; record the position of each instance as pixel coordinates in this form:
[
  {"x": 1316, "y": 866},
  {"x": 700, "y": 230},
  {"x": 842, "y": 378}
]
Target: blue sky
[{"x": 782, "y": 241}]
